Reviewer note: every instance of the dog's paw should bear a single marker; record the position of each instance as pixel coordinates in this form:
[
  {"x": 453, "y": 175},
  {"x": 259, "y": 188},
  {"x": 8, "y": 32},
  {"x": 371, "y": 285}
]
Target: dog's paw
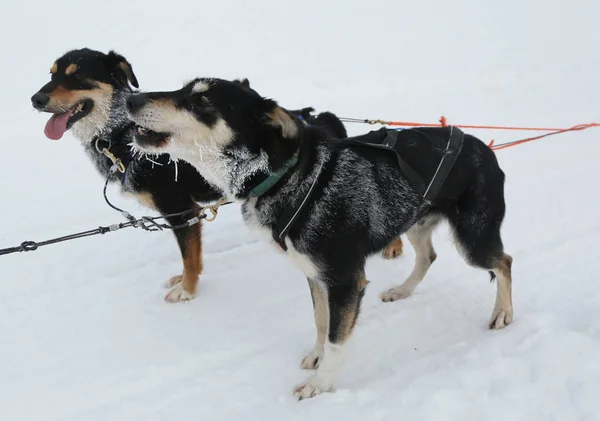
[
  {"x": 312, "y": 387},
  {"x": 178, "y": 294},
  {"x": 312, "y": 360},
  {"x": 396, "y": 293},
  {"x": 393, "y": 249},
  {"x": 501, "y": 317},
  {"x": 174, "y": 280}
]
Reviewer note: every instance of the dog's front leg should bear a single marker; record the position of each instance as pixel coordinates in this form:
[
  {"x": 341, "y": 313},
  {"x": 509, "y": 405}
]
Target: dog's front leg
[
  {"x": 321, "y": 309},
  {"x": 183, "y": 287},
  {"x": 342, "y": 298}
]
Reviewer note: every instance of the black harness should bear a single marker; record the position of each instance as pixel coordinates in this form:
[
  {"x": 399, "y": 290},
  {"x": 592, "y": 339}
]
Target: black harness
[{"x": 389, "y": 140}]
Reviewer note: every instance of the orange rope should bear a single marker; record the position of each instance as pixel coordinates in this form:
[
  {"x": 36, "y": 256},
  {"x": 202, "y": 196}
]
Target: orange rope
[
  {"x": 529, "y": 139},
  {"x": 443, "y": 123}
]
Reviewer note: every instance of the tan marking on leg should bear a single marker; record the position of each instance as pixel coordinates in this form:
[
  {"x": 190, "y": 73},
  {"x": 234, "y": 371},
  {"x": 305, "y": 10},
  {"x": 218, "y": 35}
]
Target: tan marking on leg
[
  {"x": 349, "y": 316},
  {"x": 420, "y": 238},
  {"x": 334, "y": 353},
  {"x": 54, "y": 68},
  {"x": 71, "y": 68},
  {"x": 192, "y": 267},
  {"x": 353, "y": 313},
  {"x": 393, "y": 249},
  {"x": 192, "y": 263},
  {"x": 321, "y": 312},
  {"x": 363, "y": 281},
  {"x": 503, "y": 309}
]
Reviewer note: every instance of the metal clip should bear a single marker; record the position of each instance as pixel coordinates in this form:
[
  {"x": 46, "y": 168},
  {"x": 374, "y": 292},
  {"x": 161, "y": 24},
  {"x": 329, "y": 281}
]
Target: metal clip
[
  {"x": 114, "y": 160},
  {"x": 214, "y": 209}
]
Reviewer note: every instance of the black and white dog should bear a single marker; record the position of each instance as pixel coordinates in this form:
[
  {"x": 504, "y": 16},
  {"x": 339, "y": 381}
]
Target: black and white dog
[
  {"x": 87, "y": 93},
  {"x": 336, "y": 205}
]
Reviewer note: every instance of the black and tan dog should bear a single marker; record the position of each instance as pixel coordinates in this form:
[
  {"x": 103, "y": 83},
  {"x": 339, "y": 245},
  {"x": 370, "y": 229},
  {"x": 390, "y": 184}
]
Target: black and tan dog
[
  {"x": 87, "y": 94},
  {"x": 331, "y": 204}
]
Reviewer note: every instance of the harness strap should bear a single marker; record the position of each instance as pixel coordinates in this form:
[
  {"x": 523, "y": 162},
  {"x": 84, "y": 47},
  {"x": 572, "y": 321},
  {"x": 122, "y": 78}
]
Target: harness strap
[
  {"x": 291, "y": 213},
  {"x": 388, "y": 143},
  {"x": 453, "y": 149},
  {"x": 385, "y": 139}
]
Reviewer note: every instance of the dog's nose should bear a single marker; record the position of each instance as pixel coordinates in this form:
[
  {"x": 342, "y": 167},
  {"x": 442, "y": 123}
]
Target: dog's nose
[
  {"x": 135, "y": 102},
  {"x": 40, "y": 100}
]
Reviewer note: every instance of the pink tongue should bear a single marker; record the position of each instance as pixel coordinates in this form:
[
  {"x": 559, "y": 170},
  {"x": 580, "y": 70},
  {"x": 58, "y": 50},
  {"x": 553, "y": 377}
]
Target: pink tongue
[{"x": 57, "y": 126}]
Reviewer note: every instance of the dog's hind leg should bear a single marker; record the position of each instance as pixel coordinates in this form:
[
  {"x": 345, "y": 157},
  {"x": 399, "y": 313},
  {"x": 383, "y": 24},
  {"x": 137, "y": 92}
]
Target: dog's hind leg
[
  {"x": 503, "y": 309},
  {"x": 321, "y": 309},
  {"x": 477, "y": 236},
  {"x": 343, "y": 299},
  {"x": 491, "y": 257},
  {"x": 419, "y": 236}
]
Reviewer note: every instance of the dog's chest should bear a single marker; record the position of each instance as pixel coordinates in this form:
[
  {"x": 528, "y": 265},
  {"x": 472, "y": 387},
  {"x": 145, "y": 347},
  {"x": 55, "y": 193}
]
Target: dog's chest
[{"x": 253, "y": 221}]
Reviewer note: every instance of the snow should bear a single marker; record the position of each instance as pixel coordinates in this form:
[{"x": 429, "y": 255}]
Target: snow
[{"x": 84, "y": 331}]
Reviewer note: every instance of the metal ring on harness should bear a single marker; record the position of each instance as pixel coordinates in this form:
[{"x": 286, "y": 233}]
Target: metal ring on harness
[
  {"x": 98, "y": 147},
  {"x": 106, "y": 151}
]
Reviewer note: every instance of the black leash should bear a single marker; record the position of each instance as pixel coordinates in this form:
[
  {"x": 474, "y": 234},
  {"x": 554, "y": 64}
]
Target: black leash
[
  {"x": 32, "y": 245},
  {"x": 147, "y": 223}
]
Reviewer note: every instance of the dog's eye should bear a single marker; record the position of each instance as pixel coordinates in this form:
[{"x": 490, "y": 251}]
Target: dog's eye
[{"x": 204, "y": 100}]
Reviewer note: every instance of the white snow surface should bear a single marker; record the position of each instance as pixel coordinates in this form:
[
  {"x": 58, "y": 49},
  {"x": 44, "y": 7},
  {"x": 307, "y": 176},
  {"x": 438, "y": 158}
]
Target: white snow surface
[{"x": 84, "y": 331}]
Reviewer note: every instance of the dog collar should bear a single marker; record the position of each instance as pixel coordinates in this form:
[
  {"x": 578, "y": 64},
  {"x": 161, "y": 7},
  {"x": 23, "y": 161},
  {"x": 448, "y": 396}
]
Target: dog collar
[{"x": 266, "y": 185}]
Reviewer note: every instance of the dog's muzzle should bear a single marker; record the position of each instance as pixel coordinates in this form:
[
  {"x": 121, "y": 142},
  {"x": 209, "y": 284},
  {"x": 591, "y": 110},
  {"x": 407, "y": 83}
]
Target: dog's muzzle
[
  {"x": 40, "y": 100},
  {"x": 135, "y": 102}
]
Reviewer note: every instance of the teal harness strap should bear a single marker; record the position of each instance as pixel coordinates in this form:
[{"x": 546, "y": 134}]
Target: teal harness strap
[{"x": 272, "y": 179}]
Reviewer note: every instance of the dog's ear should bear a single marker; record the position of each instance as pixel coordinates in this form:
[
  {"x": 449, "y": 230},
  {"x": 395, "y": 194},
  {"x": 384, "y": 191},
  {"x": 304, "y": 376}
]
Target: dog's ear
[
  {"x": 123, "y": 68},
  {"x": 280, "y": 118},
  {"x": 244, "y": 82}
]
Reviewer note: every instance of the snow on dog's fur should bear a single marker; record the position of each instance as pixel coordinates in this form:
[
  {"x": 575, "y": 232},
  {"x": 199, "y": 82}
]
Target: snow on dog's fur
[
  {"x": 87, "y": 94},
  {"x": 361, "y": 200}
]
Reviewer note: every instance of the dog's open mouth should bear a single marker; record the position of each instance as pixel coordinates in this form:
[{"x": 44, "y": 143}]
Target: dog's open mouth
[
  {"x": 147, "y": 138},
  {"x": 61, "y": 122}
]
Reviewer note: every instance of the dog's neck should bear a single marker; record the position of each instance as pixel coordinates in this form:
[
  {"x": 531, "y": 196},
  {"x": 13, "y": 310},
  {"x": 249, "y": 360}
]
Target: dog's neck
[
  {"x": 110, "y": 117},
  {"x": 231, "y": 171},
  {"x": 113, "y": 133},
  {"x": 238, "y": 171}
]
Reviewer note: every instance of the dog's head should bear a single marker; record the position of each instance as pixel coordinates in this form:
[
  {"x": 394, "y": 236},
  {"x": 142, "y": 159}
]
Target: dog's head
[
  {"x": 210, "y": 121},
  {"x": 327, "y": 121},
  {"x": 81, "y": 89}
]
